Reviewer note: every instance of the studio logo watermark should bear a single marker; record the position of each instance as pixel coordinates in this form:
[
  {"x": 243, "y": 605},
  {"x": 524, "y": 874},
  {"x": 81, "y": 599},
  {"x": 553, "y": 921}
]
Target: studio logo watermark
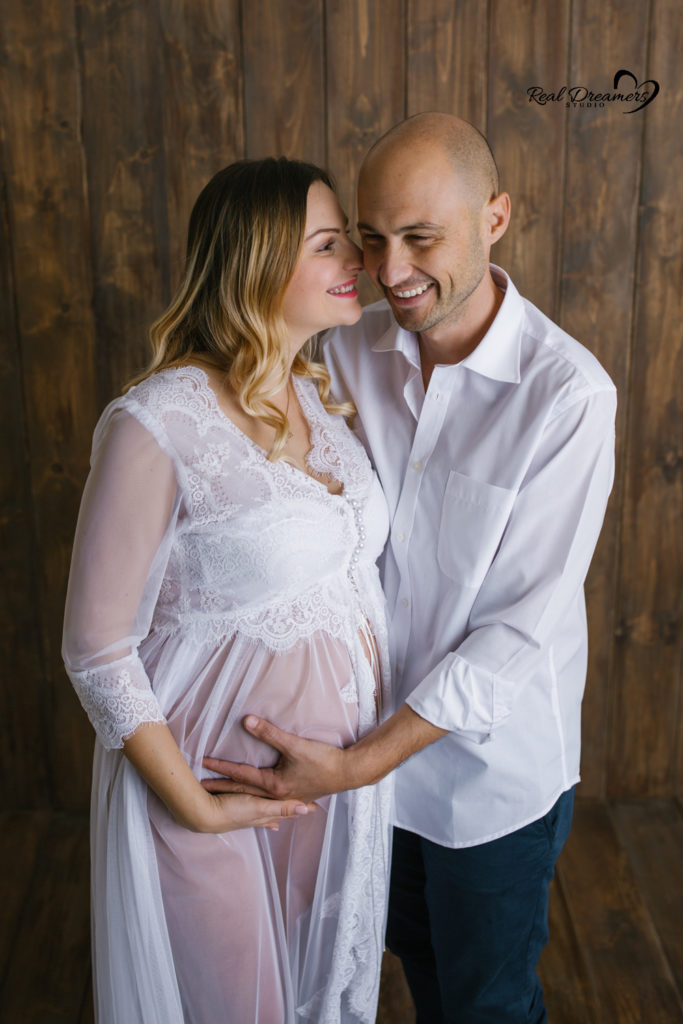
[{"x": 580, "y": 96}]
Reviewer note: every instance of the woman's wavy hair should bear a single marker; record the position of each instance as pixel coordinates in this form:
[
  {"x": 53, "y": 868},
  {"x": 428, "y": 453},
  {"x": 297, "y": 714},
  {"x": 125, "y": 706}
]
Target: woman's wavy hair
[{"x": 244, "y": 239}]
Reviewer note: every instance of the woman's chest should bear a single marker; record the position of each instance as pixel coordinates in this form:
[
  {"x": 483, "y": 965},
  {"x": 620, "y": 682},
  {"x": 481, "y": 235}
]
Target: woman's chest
[{"x": 266, "y": 547}]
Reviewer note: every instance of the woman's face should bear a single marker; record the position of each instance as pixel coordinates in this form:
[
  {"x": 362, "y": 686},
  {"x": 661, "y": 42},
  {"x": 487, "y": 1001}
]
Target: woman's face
[{"x": 322, "y": 292}]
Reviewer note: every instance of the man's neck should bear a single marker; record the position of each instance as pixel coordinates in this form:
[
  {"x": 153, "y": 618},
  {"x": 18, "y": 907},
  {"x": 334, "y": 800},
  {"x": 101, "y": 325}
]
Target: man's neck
[{"x": 451, "y": 342}]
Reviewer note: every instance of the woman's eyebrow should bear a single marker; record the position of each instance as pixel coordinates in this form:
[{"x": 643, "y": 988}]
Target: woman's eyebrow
[{"x": 319, "y": 231}]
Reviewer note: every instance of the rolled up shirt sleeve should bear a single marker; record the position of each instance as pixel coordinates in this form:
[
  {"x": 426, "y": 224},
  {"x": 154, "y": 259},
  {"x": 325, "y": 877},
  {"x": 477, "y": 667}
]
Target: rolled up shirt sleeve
[{"x": 535, "y": 577}]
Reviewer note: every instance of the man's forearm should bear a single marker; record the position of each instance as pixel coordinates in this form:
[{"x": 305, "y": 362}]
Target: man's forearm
[{"x": 388, "y": 746}]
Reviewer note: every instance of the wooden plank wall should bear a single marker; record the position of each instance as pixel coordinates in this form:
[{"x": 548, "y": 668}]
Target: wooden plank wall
[{"x": 113, "y": 114}]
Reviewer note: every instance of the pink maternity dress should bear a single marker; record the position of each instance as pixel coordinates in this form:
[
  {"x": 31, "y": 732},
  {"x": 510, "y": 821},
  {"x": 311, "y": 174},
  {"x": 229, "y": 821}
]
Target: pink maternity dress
[{"x": 206, "y": 583}]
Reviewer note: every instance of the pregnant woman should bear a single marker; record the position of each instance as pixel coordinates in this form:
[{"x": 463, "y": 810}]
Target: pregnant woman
[{"x": 225, "y": 559}]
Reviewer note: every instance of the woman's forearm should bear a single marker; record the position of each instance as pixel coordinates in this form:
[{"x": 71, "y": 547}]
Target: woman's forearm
[{"x": 154, "y": 753}]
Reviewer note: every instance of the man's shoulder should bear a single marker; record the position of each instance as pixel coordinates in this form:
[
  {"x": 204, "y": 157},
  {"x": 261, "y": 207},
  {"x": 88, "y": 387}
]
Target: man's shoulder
[{"x": 569, "y": 358}]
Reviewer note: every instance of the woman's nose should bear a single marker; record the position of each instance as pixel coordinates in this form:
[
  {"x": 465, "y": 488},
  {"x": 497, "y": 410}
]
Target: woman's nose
[{"x": 354, "y": 257}]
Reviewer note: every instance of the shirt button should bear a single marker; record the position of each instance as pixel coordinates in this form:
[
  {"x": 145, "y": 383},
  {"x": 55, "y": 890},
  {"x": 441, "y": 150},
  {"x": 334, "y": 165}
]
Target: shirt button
[
  {"x": 404, "y": 602},
  {"x": 417, "y": 465},
  {"x": 400, "y": 537}
]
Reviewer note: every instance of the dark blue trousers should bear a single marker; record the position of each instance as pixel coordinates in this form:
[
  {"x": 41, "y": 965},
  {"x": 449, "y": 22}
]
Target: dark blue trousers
[{"x": 469, "y": 924}]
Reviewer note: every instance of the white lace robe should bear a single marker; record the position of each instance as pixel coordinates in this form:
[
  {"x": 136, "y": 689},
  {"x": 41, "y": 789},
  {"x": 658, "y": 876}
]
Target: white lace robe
[{"x": 207, "y": 583}]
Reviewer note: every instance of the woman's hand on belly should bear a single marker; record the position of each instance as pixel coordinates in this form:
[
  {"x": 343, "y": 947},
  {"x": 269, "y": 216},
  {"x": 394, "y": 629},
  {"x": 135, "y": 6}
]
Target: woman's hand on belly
[
  {"x": 231, "y": 811},
  {"x": 154, "y": 753}
]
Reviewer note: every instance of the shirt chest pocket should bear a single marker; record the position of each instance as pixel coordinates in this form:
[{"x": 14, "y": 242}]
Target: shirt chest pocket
[{"x": 473, "y": 518}]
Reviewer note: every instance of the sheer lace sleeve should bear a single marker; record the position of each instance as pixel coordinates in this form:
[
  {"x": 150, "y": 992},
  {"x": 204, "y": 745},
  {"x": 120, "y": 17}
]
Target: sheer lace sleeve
[{"x": 124, "y": 533}]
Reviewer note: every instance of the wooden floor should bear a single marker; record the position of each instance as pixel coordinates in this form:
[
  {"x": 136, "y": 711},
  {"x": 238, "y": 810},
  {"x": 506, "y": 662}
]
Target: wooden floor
[{"x": 615, "y": 955}]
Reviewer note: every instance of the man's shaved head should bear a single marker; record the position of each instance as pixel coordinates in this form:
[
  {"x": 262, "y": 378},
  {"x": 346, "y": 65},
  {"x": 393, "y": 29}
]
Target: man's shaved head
[
  {"x": 466, "y": 148},
  {"x": 429, "y": 210}
]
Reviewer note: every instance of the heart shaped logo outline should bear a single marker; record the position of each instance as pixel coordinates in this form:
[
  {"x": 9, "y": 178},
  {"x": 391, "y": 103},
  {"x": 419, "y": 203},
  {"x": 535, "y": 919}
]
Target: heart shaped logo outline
[{"x": 650, "y": 81}]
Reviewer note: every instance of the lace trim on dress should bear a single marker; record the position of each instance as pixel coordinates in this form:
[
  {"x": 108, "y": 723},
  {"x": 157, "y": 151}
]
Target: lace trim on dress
[
  {"x": 349, "y": 693},
  {"x": 335, "y": 452},
  {"x": 117, "y": 698},
  {"x": 162, "y": 394},
  {"x": 360, "y": 907},
  {"x": 278, "y": 627}
]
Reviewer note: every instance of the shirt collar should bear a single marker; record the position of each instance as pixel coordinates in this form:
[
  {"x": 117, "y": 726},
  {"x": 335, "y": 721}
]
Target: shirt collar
[
  {"x": 497, "y": 354},
  {"x": 395, "y": 339}
]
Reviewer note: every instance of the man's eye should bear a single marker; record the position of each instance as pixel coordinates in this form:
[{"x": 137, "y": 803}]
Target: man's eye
[
  {"x": 370, "y": 239},
  {"x": 419, "y": 238}
]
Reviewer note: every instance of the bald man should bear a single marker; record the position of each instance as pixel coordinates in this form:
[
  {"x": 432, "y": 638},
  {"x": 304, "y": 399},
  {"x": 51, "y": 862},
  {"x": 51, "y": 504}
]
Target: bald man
[{"x": 492, "y": 432}]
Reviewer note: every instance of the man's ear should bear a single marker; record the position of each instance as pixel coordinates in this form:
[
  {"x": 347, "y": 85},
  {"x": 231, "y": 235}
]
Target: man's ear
[{"x": 497, "y": 217}]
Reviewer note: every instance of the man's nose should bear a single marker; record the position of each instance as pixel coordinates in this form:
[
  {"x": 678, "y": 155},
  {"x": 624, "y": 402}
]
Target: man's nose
[{"x": 394, "y": 268}]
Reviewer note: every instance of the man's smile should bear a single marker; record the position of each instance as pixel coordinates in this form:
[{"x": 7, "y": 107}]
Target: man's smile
[{"x": 408, "y": 295}]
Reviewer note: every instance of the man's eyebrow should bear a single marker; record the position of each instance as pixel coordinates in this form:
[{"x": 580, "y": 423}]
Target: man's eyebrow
[{"x": 420, "y": 226}]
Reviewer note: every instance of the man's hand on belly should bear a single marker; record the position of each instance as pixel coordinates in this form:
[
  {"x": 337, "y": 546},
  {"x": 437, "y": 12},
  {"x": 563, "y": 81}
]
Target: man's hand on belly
[
  {"x": 304, "y": 766},
  {"x": 308, "y": 769}
]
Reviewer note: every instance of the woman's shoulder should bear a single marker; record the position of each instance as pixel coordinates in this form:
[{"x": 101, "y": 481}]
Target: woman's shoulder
[
  {"x": 168, "y": 404},
  {"x": 177, "y": 398},
  {"x": 174, "y": 388}
]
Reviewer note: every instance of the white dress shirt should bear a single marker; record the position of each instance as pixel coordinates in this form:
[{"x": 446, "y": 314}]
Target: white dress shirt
[{"x": 497, "y": 480}]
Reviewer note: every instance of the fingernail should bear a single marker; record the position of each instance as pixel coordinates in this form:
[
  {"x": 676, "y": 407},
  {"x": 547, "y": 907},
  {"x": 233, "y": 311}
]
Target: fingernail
[
  {"x": 251, "y": 721},
  {"x": 301, "y": 809}
]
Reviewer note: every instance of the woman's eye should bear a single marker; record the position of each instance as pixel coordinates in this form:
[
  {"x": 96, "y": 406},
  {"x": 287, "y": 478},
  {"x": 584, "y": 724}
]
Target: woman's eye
[{"x": 328, "y": 246}]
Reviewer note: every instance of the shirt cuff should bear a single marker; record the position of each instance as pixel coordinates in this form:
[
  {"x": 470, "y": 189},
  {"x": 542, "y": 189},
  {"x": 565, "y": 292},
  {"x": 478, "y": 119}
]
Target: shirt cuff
[{"x": 461, "y": 698}]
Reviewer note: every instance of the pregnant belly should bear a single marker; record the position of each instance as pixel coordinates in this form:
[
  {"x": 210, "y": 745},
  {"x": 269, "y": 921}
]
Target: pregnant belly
[{"x": 308, "y": 690}]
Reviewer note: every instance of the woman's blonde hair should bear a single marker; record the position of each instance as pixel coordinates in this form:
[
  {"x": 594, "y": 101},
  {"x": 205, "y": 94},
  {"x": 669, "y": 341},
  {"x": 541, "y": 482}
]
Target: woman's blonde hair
[{"x": 244, "y": 238}]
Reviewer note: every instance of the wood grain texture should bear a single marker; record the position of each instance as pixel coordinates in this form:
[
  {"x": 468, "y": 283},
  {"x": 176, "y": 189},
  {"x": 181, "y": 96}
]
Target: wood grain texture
[
  {"x": 202, "y": 110},
  {"x": 395, "y": 1001},
  {"x": 22, "y": 836},
  {"x": 646, "y": 734},
  {"x": 563, "y": 968},
  {"x": 365, "y": 86},
  {"x": 87, "y": 1014},
  {"x": 47, "y": 220},
  {"x": 598, "y": 271},
  {"x": 652, "y": 834},
  {"x": 284, "y": 79},
  {"x": 627, "y": 975},
  {"x": 22, "y": 690},
  {"x": 114, "y": 113},
  {"x": 121, "y": 66},
  {"x": 528, "y": 140},
  {"x": 446, "y": 60},
  {"x": 48, "y": 969}
]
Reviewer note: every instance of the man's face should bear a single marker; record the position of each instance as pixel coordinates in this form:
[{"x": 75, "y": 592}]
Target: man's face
[{"x": 423, "y": 241}]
